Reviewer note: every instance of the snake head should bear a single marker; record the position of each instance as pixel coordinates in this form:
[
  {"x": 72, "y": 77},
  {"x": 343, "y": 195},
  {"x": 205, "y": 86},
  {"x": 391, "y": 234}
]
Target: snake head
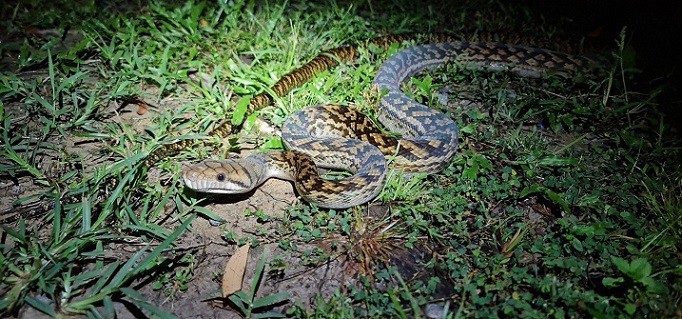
[{"x": 231, "y": 176}]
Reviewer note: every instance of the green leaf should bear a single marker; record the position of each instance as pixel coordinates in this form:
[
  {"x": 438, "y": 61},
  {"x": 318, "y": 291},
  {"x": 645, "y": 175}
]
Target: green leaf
[
  {"x": 41, "y": 306},
  {"x": 109, "y": 310},
  {"x": 468, "y": 129},
  {"x": 240, "y": 110},
  {"x": 105, "y": 276},
  {"x": 557, "y": 198},
  {"x": 132, "y": 293},
  {"x": 240, "y": 300},
  {"x": 553, "y": 160},
  {"x": 640, "y": 268},
  {"x": 142, "y": 303},
  {"x": 86, "y": 217},
  {"x": 472, "y": 170},
  {"x": 654, "y": 287},
  {"x": 208, "y": 214},
  {"x": 630, "y": 308},
  {"x": 273, "y": 143},
  {"x": 147, "y": 262},
  {"x": 271, "y": 300},
  {"x": 269, "y": 314},
  {"x": 621, "y": 264},
  {"x": 250, "y": 121},
  {"x": 425, "y": 85},
  {"x": 577, "y": 244},
  {"x": 529, "y": 190},
  {"x": 612, "y": 282},
  {"x": 257, "y": 277},
  {"x": 127, "y": 269},
  {"x": 482, "y": 161}
]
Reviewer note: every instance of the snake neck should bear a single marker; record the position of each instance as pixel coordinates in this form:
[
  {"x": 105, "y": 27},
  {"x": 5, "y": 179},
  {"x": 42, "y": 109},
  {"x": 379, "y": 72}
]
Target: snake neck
[
  {"x": 337, "y": 194},
  {"x": 278, "y": 164}
]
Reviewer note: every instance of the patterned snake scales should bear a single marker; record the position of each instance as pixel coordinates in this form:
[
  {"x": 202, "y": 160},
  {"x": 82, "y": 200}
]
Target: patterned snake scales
[{"x": 337, "y": 137}]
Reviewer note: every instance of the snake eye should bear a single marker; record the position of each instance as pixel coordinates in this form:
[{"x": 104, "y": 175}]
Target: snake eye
[{"x": 221, "y": 177}]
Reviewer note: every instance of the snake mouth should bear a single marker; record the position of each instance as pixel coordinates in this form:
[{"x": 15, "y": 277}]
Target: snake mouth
[
  {"x": 204, "y": 186},
  {"x": 197, "y": 182}
]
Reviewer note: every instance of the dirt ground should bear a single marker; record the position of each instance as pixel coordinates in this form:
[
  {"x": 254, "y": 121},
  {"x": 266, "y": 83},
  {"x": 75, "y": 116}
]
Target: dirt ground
[
  {"x": 203, "y": 241},
  {"x": 208, "y": 246},
  {"x": 199, "y": 300}
]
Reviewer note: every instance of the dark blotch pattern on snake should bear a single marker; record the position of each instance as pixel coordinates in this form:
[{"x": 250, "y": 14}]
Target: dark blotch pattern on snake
[{"x": 336, "y": 137}]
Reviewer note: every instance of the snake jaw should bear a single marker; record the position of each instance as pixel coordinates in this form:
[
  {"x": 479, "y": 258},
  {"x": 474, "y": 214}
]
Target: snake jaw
[{"x": 223, "y": 177}]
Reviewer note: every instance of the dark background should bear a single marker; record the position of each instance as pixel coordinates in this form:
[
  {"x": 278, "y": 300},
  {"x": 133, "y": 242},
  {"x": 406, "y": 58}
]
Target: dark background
[{"x": 654, "y": 33}]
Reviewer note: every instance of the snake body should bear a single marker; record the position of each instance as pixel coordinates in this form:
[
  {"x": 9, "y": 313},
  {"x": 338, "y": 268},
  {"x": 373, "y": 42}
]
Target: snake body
[{"x": 336, "y": 137}]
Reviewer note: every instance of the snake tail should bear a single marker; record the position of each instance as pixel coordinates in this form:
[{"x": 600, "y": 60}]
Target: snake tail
[{"x": 347, "y": 53}]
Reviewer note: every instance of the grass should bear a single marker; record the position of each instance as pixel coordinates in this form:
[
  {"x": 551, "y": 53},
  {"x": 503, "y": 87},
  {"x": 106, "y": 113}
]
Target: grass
[{"x": 564, "y": 199}]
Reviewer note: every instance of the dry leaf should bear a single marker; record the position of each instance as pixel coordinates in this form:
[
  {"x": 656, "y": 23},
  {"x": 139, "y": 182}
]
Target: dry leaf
[
  {"x": 141, "y": 108},
  {"x": 234, "y": 271},
  {"x": 543, "y": 210}
]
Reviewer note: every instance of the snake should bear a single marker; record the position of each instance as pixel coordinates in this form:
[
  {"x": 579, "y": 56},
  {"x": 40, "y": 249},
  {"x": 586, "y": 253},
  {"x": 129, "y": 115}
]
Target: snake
[{"x": 337, "y": 137}]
